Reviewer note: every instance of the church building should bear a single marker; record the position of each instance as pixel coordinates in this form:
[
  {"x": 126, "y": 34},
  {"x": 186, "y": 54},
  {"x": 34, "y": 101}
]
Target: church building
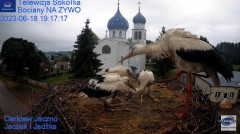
[{"x": 116, "y": 45}]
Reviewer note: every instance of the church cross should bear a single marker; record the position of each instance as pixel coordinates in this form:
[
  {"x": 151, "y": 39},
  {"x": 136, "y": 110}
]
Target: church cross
[
  {"x": 106, "y": 33},
  {"x": 139, "y": 3}
]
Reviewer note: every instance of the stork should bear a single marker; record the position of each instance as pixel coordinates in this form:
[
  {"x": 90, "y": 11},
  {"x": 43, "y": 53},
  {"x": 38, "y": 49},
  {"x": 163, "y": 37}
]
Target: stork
[
  {"x": 121, "y": 70},
  {"x": 145, "y": 79},
  {"x": 106, "y": 87},
  {"x": 190, "y": 54}
]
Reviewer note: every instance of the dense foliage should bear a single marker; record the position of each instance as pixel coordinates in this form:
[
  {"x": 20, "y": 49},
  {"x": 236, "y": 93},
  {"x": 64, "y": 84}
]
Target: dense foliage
[
  {"x": 20, "y": 55},
  {"x": 162, "y": 68},
  {"x": 230, "y": 51},
  {"x": 83, "y": 60}
]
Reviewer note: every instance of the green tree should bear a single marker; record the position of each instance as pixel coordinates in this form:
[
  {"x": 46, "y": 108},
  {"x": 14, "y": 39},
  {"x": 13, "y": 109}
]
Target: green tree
[
  {"x": 161, "y": 33},
  {"x": 162, "y": 67},
  {"x": 19, "y": 54},
  {"x": 230, "y": 51},
  {"x": 148, "y": 42},
  {"x": 204, "y": 39},
  {"x": 84, "y": 61},
  {"x": 66, "y": 57}
]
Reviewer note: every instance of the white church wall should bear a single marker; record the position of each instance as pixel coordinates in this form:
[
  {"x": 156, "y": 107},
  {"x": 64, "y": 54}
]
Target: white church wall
[
  {"x": 138, "y": 62},
  {"x": 122, "y": 50},
  {"x": 139, "y": 26},
  {"x": 110, "y": 60}
]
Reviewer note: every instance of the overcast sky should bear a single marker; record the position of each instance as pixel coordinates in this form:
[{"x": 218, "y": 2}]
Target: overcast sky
[{"x": 218, "y": 20}]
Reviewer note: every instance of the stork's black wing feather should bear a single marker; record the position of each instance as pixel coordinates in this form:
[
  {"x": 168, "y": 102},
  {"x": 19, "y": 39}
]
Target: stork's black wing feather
[
  {"x": 99, "y": 78},
  {"x": 94, "y": 89},
  {"x": 209, "y": 57},
  {"x": 96, "y": 93}
]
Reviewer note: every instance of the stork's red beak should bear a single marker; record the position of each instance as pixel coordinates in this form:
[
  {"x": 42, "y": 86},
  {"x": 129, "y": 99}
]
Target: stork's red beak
[{"x": 129, "y": 55}]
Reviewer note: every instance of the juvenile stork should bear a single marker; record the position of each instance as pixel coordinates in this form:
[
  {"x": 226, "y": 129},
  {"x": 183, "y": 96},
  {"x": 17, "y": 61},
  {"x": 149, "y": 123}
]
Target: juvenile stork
[
  {"x": 122, "y": 71},
  {"x": 191, "y": 56},
  {"x": 145, "y": 80},
  {"x": 106, "y": 87}
]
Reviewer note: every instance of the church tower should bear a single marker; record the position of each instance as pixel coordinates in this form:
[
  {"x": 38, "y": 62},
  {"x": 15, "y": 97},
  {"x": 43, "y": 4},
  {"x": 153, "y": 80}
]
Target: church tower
[
  {"x": 118, "y": 27},
  {"x": 138, "y": 37},
  {"x": 139, "y": 32}
]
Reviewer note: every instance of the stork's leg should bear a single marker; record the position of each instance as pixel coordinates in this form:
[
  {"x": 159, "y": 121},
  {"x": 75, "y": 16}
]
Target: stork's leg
[
  {"x": 179, "y": 73},
  {"x": 154, "y": 99},
  {"x": 107, "y": 103},
  {"x": 122, "y": 101},
  {"x": 186, "y": 105},
  {"x": 141, "y": 99},
  {"x": 110, "y": 107}
]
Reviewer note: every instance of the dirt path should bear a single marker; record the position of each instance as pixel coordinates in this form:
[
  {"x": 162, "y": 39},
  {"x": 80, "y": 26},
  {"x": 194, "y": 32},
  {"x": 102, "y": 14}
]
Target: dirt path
[{"x": 10, "y": 104}]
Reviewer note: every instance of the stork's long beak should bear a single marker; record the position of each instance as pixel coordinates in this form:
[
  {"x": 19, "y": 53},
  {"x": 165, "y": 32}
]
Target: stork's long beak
[
  {"x": 129, "y": 55},
  {"x": 130, "y": 85}
]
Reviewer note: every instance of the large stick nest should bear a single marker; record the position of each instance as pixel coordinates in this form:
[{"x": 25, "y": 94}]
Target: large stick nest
[{"x": 78, "y": 114}]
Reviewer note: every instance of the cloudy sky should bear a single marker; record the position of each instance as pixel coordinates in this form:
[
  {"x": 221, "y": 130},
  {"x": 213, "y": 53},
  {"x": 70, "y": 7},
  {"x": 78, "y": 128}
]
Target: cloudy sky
[{"x": 218, "y": 20}]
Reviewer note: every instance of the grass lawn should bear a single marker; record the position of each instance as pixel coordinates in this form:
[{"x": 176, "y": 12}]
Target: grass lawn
[
  {"x": 10, "y": 84},
  {"x": 57, "y": 80},
  {"x": 236, "y": 67}
]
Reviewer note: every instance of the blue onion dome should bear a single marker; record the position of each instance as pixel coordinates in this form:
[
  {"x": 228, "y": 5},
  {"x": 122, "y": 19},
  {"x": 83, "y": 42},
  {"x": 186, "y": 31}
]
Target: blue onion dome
[
  {"x": 118, "y": 22},
  {"x": 139, "y": 18}
]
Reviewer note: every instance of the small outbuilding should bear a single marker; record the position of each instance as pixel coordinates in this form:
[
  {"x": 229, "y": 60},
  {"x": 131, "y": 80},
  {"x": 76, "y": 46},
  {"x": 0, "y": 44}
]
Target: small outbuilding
[{"x": 228, "y": 91}]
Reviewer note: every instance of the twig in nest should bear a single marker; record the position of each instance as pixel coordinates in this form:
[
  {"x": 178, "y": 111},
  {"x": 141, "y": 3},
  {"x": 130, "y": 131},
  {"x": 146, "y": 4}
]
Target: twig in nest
[{"x": 64, "y": 118}]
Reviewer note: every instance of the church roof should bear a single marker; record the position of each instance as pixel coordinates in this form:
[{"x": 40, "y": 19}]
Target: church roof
[
  {"x": 139, "y": 18},
  {"x": 235, "y": 81},
  {"x": 118, "y": 22}
]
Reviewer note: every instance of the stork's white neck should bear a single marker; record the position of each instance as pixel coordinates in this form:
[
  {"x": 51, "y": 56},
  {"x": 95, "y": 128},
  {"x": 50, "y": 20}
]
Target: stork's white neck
[{"x": 157, "y": 51}]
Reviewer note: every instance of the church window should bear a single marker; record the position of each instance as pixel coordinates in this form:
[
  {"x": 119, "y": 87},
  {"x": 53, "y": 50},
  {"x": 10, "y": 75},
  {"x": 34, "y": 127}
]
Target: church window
[
  {"x": 113, "y": 33},
  {"x": 140, "y": 35},
  {"x": 106, "y": 49},
  {"x": 120, "y": 34},
  {"x": 135, "y": 35}
]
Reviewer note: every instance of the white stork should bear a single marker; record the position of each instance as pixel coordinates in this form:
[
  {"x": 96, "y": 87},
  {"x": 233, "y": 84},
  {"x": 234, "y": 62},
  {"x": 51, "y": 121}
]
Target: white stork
[
  {"x": 190, "y": 54},
  {"x": 145, "y": 79},
  {"x": 106, "y": 87},
  {"x": 121, "y": 70}
]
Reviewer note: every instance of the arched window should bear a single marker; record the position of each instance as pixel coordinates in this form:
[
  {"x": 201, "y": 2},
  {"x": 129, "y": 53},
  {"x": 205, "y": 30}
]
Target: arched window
[
  {"x": 120, "y": 34},
  {"x": 139, "y": 35},
  {"x": 106, "y": 49},
  {"x": 113, "y": 33},
  {"x": 135, "y": 35}
]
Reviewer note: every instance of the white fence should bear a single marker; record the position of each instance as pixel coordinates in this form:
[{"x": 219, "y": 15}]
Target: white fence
[{"x": 37, "y": 83}]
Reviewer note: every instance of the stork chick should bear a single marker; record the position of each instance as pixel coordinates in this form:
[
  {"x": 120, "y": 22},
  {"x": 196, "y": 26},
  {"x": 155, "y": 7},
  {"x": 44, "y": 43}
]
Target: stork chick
[
  {"x": 191, "y": 56},
  {"x": 121, "y": 70},
  {"x": 145, "y": 79},
  {"x": 106, "y": 87}
]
